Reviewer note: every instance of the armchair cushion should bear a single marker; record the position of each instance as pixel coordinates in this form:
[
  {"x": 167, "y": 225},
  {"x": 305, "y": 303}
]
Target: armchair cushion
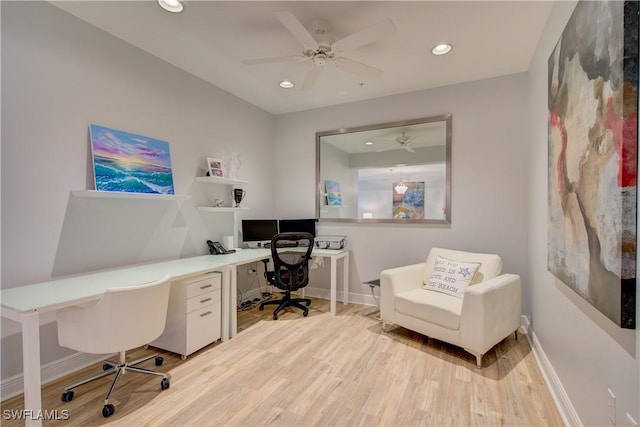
[
  {"x": 451, "y": 277},
  {"x": 439, "y": 308}
]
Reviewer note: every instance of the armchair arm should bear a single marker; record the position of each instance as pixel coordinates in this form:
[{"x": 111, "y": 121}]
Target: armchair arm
[
  {"x": 394, "y": 281},
  {"x": 490, "y": 311}
]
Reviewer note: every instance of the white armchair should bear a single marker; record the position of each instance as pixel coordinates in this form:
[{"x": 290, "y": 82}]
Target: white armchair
[{"x": 476, "y": 318}]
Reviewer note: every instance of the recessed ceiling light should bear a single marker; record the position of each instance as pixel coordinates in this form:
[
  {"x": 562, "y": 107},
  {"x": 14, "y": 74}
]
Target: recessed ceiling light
[
  {"x": 441, "y": 49},
  {"x": 368, "y": 143},
  {"x": 286, "y": 84},
  {"x": 171, "y": 5}
]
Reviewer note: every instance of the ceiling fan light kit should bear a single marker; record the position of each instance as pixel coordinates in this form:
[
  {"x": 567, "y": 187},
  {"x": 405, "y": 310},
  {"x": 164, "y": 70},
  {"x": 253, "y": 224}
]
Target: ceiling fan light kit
[{"x": 320, "y": 51}]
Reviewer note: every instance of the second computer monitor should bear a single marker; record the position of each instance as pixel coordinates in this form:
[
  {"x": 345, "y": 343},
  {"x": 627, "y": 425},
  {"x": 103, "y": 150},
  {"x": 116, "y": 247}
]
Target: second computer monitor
[{"x": 297, "y": 225}]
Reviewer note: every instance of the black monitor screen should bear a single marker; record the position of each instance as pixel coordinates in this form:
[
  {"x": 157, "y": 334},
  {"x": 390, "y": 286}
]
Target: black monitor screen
[
  {"x": 259, "y": 230},
  {"x": 300, "y": 225}
]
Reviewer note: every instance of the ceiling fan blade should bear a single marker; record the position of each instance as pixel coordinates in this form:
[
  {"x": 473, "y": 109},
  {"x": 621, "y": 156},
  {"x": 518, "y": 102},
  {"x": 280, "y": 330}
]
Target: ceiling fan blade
[
  {"x": 387, "y": 148},
  {"x": 298, "y": 30},
  {"x": 357, "y": 68},
  {"x": 310, "y": 78},
  {"x": 364, "y": 37},
  {"x": 288, "y": 58}
]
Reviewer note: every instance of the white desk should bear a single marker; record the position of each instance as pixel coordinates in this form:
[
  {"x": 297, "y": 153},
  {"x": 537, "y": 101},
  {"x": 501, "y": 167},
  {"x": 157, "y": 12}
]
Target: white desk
[
  {"x": 251, "y": 255},
  {"x": 25, "y": 303}
]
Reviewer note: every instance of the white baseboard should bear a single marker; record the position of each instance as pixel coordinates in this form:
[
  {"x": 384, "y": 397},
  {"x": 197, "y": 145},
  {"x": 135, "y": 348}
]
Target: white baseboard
[
  {"x": 321, "y": 293},
  {"x": 14, "y": 386},
  {"x": 353, "y": 298},
  {"x": 563, "y": 403}
]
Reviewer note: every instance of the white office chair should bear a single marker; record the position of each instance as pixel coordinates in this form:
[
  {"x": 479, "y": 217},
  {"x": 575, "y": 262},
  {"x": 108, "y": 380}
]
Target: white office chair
[{"x": 125, "y": 318}]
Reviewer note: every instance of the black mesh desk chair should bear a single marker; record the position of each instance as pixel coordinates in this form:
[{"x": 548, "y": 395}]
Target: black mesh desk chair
[{"x": 291, "y": 253}]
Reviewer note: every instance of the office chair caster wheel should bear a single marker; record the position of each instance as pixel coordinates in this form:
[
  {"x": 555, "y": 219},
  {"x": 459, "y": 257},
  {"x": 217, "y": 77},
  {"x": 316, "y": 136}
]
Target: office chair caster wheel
[
  {"x": 164, "y": 384},
  {"x": 67, "y": 396},
  {"x": 261, "y": 308},
  {"x": 108, "y": 410},
  {"x": 308, "y": 303},
  {"x": 275, "y": 317},
  {"x": 305, "y": 313},
  {"x": 159, "y": 360}
]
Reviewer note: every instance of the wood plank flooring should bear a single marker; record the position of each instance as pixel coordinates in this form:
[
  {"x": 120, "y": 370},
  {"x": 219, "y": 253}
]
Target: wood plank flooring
[{"x": 321, "y": 370}]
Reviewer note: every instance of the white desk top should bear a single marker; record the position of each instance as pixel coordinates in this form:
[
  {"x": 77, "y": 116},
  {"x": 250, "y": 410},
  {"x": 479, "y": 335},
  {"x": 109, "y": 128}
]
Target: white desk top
[{"x": 56, "y": 293}]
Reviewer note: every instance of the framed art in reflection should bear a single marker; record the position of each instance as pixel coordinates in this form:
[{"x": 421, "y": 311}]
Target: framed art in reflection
[{"x": 334, "y": 197}]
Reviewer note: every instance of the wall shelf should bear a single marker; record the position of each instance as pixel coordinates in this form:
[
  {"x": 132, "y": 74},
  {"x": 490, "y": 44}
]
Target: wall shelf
[
  {"x": 123, "y": 195},
  {"x": 220, "y": 180},
  {"x": 221, "y": 209}
]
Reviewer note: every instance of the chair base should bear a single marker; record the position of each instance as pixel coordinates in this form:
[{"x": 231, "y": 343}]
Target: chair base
[
  {"x": 287, "y": 301},
  {"x": 118, "y": 368}
]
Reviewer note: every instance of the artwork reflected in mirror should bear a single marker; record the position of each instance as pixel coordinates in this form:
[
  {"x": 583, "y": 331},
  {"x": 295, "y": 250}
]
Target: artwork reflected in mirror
[
  {"x": 408, "y": 200},
  {"x": 396, "y": 172}
]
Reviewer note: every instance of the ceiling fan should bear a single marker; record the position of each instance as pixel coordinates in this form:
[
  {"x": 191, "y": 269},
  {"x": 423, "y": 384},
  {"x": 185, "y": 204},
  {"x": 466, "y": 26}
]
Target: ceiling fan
[
  {"x": 320, "y": 49},
  {"x": 403, "y": 140}
]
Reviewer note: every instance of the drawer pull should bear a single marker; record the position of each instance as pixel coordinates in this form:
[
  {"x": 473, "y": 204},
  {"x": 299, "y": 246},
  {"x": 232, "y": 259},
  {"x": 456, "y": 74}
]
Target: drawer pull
[
  {"x": 206, "y": 286},
  {"x": 206, "y": 314},
  {"x": 205, "y": 300}
]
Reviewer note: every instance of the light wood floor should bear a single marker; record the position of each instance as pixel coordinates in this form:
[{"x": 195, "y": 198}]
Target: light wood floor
[{"x": 321, "y": 370}]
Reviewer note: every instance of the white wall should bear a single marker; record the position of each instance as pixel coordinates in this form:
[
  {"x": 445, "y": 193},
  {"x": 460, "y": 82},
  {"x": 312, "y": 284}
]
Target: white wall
[
  {"x": 489, "y": 179},
  {"x": 58, "y": 76},
  {"x": 587, "y": 351}
]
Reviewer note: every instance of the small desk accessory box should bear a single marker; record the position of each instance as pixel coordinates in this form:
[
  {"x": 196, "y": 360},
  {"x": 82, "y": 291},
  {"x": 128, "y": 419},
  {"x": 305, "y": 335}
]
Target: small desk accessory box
[{"x": 331, "y": 242}]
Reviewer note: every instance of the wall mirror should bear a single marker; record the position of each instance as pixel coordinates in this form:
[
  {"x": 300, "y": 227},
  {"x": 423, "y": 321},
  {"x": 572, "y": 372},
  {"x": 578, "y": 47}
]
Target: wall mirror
[{"x": 397, "y": 172}]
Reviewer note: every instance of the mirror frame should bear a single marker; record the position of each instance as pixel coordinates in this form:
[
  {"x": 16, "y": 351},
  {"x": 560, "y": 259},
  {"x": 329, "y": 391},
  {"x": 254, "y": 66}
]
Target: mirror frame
[{"x": 447, "y": 220}]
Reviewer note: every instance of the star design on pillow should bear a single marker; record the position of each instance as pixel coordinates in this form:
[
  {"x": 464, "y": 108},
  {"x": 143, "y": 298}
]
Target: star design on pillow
[{"x": 464, "y": 271}]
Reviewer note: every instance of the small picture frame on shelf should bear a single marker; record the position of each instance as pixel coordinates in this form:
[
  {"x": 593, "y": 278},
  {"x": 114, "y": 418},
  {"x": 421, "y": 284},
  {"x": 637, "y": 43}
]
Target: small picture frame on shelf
[{"x": 215, "y": 167}]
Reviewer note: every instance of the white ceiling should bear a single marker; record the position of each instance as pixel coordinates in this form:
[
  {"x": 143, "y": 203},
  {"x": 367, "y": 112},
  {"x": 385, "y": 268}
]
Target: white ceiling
[{"x": 211, "y": 39}]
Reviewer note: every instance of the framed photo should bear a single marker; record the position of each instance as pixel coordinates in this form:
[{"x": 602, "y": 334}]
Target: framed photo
[{"x": 215, "y": 167}]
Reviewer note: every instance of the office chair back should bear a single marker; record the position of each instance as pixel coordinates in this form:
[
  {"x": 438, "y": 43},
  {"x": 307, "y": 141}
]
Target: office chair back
[
  {"x": 291, "y": 272},
  {"x": 125, "y": 318}
]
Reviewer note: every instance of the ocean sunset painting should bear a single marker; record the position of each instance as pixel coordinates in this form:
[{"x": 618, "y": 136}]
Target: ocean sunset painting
[{"x": 125, "y": 162}]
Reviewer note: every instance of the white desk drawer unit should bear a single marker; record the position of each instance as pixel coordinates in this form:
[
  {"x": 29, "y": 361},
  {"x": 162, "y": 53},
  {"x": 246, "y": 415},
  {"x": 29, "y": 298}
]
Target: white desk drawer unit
[{"x": 194, "y": 314}]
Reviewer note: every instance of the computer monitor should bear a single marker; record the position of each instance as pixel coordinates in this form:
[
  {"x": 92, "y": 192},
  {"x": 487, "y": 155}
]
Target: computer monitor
[
  {"x": 303, "y": 225},
  {"x": 258, "y": 230}
]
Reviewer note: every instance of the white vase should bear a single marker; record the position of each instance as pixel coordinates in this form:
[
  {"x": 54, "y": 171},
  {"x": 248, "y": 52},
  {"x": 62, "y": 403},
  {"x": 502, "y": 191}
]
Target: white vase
[{"x": 233, "y": 165}]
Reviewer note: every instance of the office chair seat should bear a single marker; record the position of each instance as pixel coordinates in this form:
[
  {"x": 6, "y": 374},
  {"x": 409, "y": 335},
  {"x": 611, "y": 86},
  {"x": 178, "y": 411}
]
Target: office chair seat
[
  {"x": 125, "y": 318},
  {"x": 289, "y": 275}
]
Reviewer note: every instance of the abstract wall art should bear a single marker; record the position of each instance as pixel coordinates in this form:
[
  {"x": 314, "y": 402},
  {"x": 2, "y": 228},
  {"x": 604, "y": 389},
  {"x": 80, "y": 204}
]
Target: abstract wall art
[
  {"x": 592, "y": 157},
  {"x": 125, "y": 162}
]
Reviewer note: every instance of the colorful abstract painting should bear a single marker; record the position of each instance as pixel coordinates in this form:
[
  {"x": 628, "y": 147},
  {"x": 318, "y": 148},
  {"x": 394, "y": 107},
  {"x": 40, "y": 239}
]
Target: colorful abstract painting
[
  {"x": 593, "y": 142},
  {"x": 408, "y": 203},
  {"x": 334, "y": 197},
  {"x": 126, "y": 162}
]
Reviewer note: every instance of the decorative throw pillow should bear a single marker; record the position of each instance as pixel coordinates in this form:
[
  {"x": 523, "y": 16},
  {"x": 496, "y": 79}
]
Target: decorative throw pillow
[{"x": 451, "y": 277}]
